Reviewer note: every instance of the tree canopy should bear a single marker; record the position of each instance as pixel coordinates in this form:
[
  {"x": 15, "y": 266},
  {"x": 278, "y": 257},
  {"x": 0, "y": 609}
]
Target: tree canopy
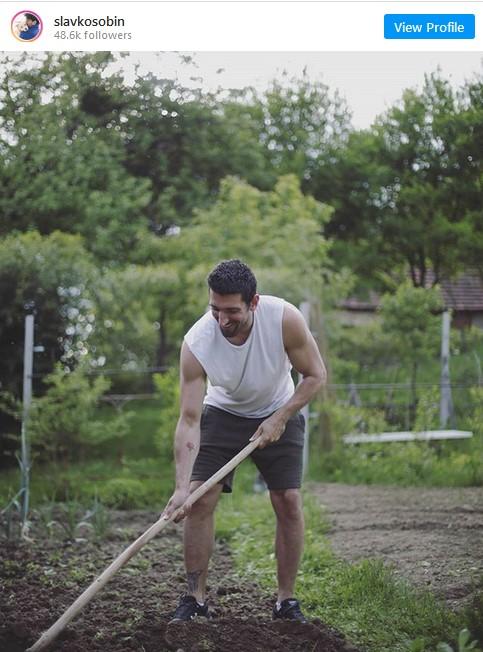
[
  {"x": 119, "y": 196},
  {"x": 407, "y": 192}
]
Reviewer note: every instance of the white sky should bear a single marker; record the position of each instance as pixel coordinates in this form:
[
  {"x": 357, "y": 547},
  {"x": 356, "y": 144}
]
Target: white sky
[{"x": 369, "y": 81}]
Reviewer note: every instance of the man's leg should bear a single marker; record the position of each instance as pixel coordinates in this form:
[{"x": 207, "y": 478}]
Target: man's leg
[
  {"x": 289, "y": 539},
  {"x": 199, "y": 540}
]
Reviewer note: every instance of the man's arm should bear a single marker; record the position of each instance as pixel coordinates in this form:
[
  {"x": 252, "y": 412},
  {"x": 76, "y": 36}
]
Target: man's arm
[
  {"x": 187, "y": 436},
  {"x": 305, "y": 357}
]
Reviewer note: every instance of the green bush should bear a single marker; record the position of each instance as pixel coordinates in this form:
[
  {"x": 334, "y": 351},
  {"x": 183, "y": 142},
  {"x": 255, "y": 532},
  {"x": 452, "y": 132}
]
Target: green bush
[
  {"x": 340, "y": 419},
  {"x": 418, "y": 463},
  {"x": 123, "y": 493},
  {"x": 63, "y": 426},
  {"x": 476, "y": 418},
  {"x": 456, "y": 463},
  {"x": 167, "y": 385},
  {"x": 427, "y": 410}
]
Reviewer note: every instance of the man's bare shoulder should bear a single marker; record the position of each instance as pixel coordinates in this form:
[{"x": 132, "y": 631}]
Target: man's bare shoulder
[
  {"x": 294, "y": 328},
  {"x": 191, "y": 368}
]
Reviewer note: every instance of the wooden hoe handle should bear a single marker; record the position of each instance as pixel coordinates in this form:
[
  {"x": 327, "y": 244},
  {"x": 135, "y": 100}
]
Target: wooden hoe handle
[{"x": 50, "y": 634}]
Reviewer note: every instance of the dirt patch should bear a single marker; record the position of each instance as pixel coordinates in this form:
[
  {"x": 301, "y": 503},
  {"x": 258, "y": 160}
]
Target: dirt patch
[
  {"x": 39, "y": 580},
  {"x": 432, "y": 537}
]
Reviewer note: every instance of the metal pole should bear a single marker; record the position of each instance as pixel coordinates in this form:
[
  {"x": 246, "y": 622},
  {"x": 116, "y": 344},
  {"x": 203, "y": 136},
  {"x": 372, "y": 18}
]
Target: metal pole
[
  {"x": 446, "y": 400},
  {"x": 28, "y": 355},
  {"x": 305, "y": 310}
]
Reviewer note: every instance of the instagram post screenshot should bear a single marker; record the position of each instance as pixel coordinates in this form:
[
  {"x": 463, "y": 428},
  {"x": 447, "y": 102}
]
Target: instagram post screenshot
[{"x": 241, "y": 326}]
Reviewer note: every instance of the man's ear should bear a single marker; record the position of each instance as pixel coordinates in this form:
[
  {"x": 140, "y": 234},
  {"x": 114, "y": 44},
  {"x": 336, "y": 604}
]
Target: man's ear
[{"x": 254, "y": 302}]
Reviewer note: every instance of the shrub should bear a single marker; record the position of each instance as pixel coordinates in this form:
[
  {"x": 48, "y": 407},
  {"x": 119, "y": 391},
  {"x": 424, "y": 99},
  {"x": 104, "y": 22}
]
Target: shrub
[
  {"x": 427, "y": 410},
  {"x": 62, "y": 423},
  {"x": 476, "y": 419},
  {"x": 417, "y": 463},
  {"x": 123, "y": 493},
  {"x": 343, "y": 419},
  {"x": 167, "y": 385}
]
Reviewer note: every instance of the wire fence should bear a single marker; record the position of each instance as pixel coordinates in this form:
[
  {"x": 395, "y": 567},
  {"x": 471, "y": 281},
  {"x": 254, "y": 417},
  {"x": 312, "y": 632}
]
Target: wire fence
[{"x": 393, "y": 401}]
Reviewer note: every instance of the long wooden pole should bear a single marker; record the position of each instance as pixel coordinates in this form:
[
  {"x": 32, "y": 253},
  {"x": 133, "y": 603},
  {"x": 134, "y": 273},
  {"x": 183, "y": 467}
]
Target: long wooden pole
[{"x": 49, "y": 635}]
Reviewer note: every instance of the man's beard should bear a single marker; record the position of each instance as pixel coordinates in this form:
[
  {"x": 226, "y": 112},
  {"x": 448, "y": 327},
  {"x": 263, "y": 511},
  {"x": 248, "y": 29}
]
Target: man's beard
[{"x": 230, "y": 331}]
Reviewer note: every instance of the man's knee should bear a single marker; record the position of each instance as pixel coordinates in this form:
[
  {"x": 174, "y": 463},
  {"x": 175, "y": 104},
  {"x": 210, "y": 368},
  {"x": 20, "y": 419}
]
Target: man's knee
[
  {"x": 206, "y": 504},
  {"x": 287, "y": 503}
]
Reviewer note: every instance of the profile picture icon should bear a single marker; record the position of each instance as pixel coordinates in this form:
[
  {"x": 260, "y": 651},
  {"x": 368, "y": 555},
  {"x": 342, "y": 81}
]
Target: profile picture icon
[{"x": 26, "y": 26}]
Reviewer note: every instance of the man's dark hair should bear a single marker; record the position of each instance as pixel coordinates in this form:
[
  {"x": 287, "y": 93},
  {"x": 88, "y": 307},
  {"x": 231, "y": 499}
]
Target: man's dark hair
[
  {"x": 31, "y": 17},
  {"x": 233, "y": 277}
]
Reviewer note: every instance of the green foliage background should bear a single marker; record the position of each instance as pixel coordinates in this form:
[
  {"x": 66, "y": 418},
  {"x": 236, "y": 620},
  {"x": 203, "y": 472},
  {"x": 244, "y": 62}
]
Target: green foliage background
[{"x": 118, "y": 197}]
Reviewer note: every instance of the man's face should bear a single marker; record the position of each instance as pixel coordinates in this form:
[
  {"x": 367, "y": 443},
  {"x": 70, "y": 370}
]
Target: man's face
[
  {"x": 232, "y": 313},
  {"x": 30, "y": 22}
]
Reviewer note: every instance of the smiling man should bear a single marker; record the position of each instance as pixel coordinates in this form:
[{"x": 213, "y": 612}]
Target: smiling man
[{"x": 236, "y": 384}]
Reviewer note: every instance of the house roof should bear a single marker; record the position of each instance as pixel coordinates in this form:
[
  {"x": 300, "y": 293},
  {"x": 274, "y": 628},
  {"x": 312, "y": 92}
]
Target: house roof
[{"x": 464, "y": 293}]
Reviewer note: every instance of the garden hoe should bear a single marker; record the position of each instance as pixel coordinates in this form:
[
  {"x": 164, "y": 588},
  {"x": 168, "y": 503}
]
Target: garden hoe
[{"x": 49, "y": 635}]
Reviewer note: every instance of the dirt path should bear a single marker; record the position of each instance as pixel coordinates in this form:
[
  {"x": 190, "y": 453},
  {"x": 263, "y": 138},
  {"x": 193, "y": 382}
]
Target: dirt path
[
  {"x": 432, "y": 537},
  {"x": 38, "y": 581}
]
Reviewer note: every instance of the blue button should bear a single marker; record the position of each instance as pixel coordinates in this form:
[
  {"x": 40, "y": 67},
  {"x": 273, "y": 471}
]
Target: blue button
[{"x": 429, "y": 26}]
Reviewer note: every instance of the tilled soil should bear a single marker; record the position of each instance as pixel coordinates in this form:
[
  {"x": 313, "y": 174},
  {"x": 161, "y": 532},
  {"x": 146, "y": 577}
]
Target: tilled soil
[
  {"x": 39, "y": 580},
  {"x": 432, "y": 537}
]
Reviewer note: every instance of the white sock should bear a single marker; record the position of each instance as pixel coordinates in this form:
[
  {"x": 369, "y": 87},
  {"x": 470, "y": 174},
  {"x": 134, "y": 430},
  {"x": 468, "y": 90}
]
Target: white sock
[{"x": 278, "y": 605}]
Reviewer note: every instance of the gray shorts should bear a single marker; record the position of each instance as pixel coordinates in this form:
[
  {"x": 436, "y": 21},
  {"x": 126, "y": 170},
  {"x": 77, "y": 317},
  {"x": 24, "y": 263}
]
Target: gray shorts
[{"x": 223, "y": 435}]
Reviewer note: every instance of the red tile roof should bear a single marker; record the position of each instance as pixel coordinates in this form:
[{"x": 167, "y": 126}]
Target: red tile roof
[{"x": 464, "y": 293}]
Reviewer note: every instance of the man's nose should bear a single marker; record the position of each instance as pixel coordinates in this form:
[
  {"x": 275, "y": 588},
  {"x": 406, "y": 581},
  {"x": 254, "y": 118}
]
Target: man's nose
[{"x": 223, "y": 319}]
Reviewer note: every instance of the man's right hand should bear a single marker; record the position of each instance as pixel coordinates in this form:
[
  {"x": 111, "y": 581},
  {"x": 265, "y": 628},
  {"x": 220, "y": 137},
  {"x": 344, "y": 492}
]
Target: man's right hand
[{"x": 177, "y": 500}]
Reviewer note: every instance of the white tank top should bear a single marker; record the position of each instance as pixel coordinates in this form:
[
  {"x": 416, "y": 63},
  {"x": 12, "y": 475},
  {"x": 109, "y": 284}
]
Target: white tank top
[{"x": 250, "y": 380}]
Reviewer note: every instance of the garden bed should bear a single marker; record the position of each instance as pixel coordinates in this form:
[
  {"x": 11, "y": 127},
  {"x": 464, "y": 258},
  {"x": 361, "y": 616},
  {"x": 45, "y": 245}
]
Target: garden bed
[
  {"x": 429, "y": 536},
  {"x": 41, "y": 579}
]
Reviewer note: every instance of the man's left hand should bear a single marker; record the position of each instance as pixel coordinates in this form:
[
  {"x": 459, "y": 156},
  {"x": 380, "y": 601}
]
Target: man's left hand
[{"x": 269, "y": 431}]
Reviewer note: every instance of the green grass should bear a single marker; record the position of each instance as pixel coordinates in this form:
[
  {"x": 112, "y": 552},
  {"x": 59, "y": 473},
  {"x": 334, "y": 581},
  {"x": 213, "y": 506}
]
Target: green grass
[
  {"x": 134, "y": 457},
  {"x": 431, "y": 464},
  {"x": 143, "y": 424},
  {"x": 365, "y": 601}
]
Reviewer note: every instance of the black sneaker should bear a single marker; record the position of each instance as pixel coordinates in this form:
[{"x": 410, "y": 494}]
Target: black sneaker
[
  {"x": 188, "y": 608},
  {"x": 289, "y": 610}
]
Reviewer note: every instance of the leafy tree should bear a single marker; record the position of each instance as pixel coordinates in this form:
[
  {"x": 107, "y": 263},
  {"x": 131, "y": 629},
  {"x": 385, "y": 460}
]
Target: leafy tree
[
  {"x": 85, "y": 152},
  {"x": 185, "y": 141},
  {"x": 48, "y": 276},
  {"x": 62, "y": 153},
  {"x": 278, "y": 233},
  {"x": 406, "y": 191},
  {"x": 167, "y": 385},
  {"x": 410, "y": 318},
  {"x": 466, "y": 182},
  {"x": 301, "y": 124},
  {"x": 138, "y": 315}
]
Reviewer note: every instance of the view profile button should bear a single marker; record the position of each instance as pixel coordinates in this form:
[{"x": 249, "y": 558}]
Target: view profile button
[{"x": 429, "y": 26}]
